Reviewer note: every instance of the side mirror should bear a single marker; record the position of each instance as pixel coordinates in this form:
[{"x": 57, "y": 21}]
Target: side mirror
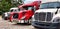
[{"x": 34, "y": 8}]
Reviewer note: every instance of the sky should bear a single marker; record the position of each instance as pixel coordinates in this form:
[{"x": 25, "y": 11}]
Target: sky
[
  {"x": 29, "y": 1},
  {"x": 43, "y": 1}
]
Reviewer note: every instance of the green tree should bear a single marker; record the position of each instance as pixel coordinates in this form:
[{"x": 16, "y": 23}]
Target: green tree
[{"x": 5, "y": 5}]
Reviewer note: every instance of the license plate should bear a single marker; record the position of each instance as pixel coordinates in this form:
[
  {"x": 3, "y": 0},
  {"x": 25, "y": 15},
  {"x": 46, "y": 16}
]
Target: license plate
[
  {"x": 15, "y": 20},
  {"x": 22, "y": 21}
]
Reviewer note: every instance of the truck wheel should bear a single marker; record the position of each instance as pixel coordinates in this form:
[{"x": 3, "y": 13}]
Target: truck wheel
[
  {"x": 36, "y": 27},
  {"x": 29, "y": 21},
  {"x": 5, "y": 18}
]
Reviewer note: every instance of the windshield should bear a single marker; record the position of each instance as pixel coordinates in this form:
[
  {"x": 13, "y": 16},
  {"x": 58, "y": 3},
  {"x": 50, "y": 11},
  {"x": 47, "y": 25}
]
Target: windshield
[
  {"x": 27, "y": 7},
  {"x": 14, "y": 10},
  {"x": 50, "y": 5}
]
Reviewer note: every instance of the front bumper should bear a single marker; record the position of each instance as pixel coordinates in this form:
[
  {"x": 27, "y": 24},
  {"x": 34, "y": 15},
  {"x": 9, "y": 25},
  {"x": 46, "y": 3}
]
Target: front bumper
[
  {"x": 45, "y": 25},
  {"x": 19, "y": 21}
]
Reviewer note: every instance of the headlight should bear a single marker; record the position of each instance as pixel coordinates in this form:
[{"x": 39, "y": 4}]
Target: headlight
[{"x": 56, "y": 20}]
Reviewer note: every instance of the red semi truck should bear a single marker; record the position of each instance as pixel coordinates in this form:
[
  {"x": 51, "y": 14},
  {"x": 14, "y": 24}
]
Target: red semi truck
[{"x": 25, "y": 13}]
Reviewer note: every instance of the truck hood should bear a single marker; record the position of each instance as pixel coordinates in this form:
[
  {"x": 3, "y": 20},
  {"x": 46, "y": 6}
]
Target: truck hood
[{"x": 46, "y": 10}]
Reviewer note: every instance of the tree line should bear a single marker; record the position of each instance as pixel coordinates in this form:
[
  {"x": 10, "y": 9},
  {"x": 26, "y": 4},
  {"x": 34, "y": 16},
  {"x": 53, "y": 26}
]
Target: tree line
[{"x": 5, "y": 5}]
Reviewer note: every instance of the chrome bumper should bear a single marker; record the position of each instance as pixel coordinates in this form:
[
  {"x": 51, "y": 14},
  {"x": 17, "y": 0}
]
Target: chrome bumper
[
  {"x": 19, "y": 21},
  {"x": 45, "y": 25}
]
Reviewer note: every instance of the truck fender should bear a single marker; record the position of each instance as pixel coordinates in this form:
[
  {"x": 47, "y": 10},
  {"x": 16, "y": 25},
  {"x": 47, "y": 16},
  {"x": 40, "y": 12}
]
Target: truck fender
[
  {"x": 33, "y": 19},
  {"x": 57, "y": 16}
]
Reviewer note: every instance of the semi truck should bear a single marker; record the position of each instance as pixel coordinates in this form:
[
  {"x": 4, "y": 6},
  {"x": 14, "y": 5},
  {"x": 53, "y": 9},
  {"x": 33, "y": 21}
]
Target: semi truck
[
  {"x": 48, "y": 16},
  {"x": 6, "y": 15},
  {"x": 25, "y": 13}
]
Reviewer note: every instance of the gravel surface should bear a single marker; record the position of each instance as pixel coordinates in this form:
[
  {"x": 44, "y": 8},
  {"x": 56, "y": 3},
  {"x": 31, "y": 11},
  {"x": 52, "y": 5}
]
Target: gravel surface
[{"x": 5, "y": 24}]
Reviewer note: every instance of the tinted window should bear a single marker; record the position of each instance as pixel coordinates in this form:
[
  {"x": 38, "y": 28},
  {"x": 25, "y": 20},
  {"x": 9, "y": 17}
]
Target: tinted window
[
  {"x": 44, "y": 5},
  {"x": 28, "y": 7},
  {"x": 11, "y": 10},
  {"x": 15, "y": 10},
  {"x": 50, "y": 5}
]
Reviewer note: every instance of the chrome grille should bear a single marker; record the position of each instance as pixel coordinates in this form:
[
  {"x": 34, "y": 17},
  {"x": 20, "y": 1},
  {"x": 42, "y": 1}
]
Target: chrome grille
[
  {"x": 15, "y": 15},
  {"x": 49, "y": 16},
  {"x": 42, "y": 16}
]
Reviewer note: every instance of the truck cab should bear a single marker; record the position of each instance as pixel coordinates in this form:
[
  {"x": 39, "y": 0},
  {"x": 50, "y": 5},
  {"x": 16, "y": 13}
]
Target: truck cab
[
  {"x": 48, "y": 16},
  {"x": 15, "y": 9},
  {"x": 25, "y": 14},
  {"x": 6, "y": 15}
]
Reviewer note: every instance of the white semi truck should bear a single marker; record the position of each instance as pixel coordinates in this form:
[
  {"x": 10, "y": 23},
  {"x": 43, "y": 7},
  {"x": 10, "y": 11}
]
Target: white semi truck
[
  {"x": 6, "y": 15},
  {"x": 48, "y": 16}
]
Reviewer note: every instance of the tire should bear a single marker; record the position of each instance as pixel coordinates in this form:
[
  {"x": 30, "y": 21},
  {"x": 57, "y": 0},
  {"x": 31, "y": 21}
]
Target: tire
[
  {"x": 29, "y": 21},
  {"x": 5, "y": 18},
  {"x": 36, "y": 27}
]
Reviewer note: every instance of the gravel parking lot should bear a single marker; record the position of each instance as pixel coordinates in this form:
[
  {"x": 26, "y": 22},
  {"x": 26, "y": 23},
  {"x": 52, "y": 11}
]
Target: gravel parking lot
[{"x": 5, "y": 24}]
